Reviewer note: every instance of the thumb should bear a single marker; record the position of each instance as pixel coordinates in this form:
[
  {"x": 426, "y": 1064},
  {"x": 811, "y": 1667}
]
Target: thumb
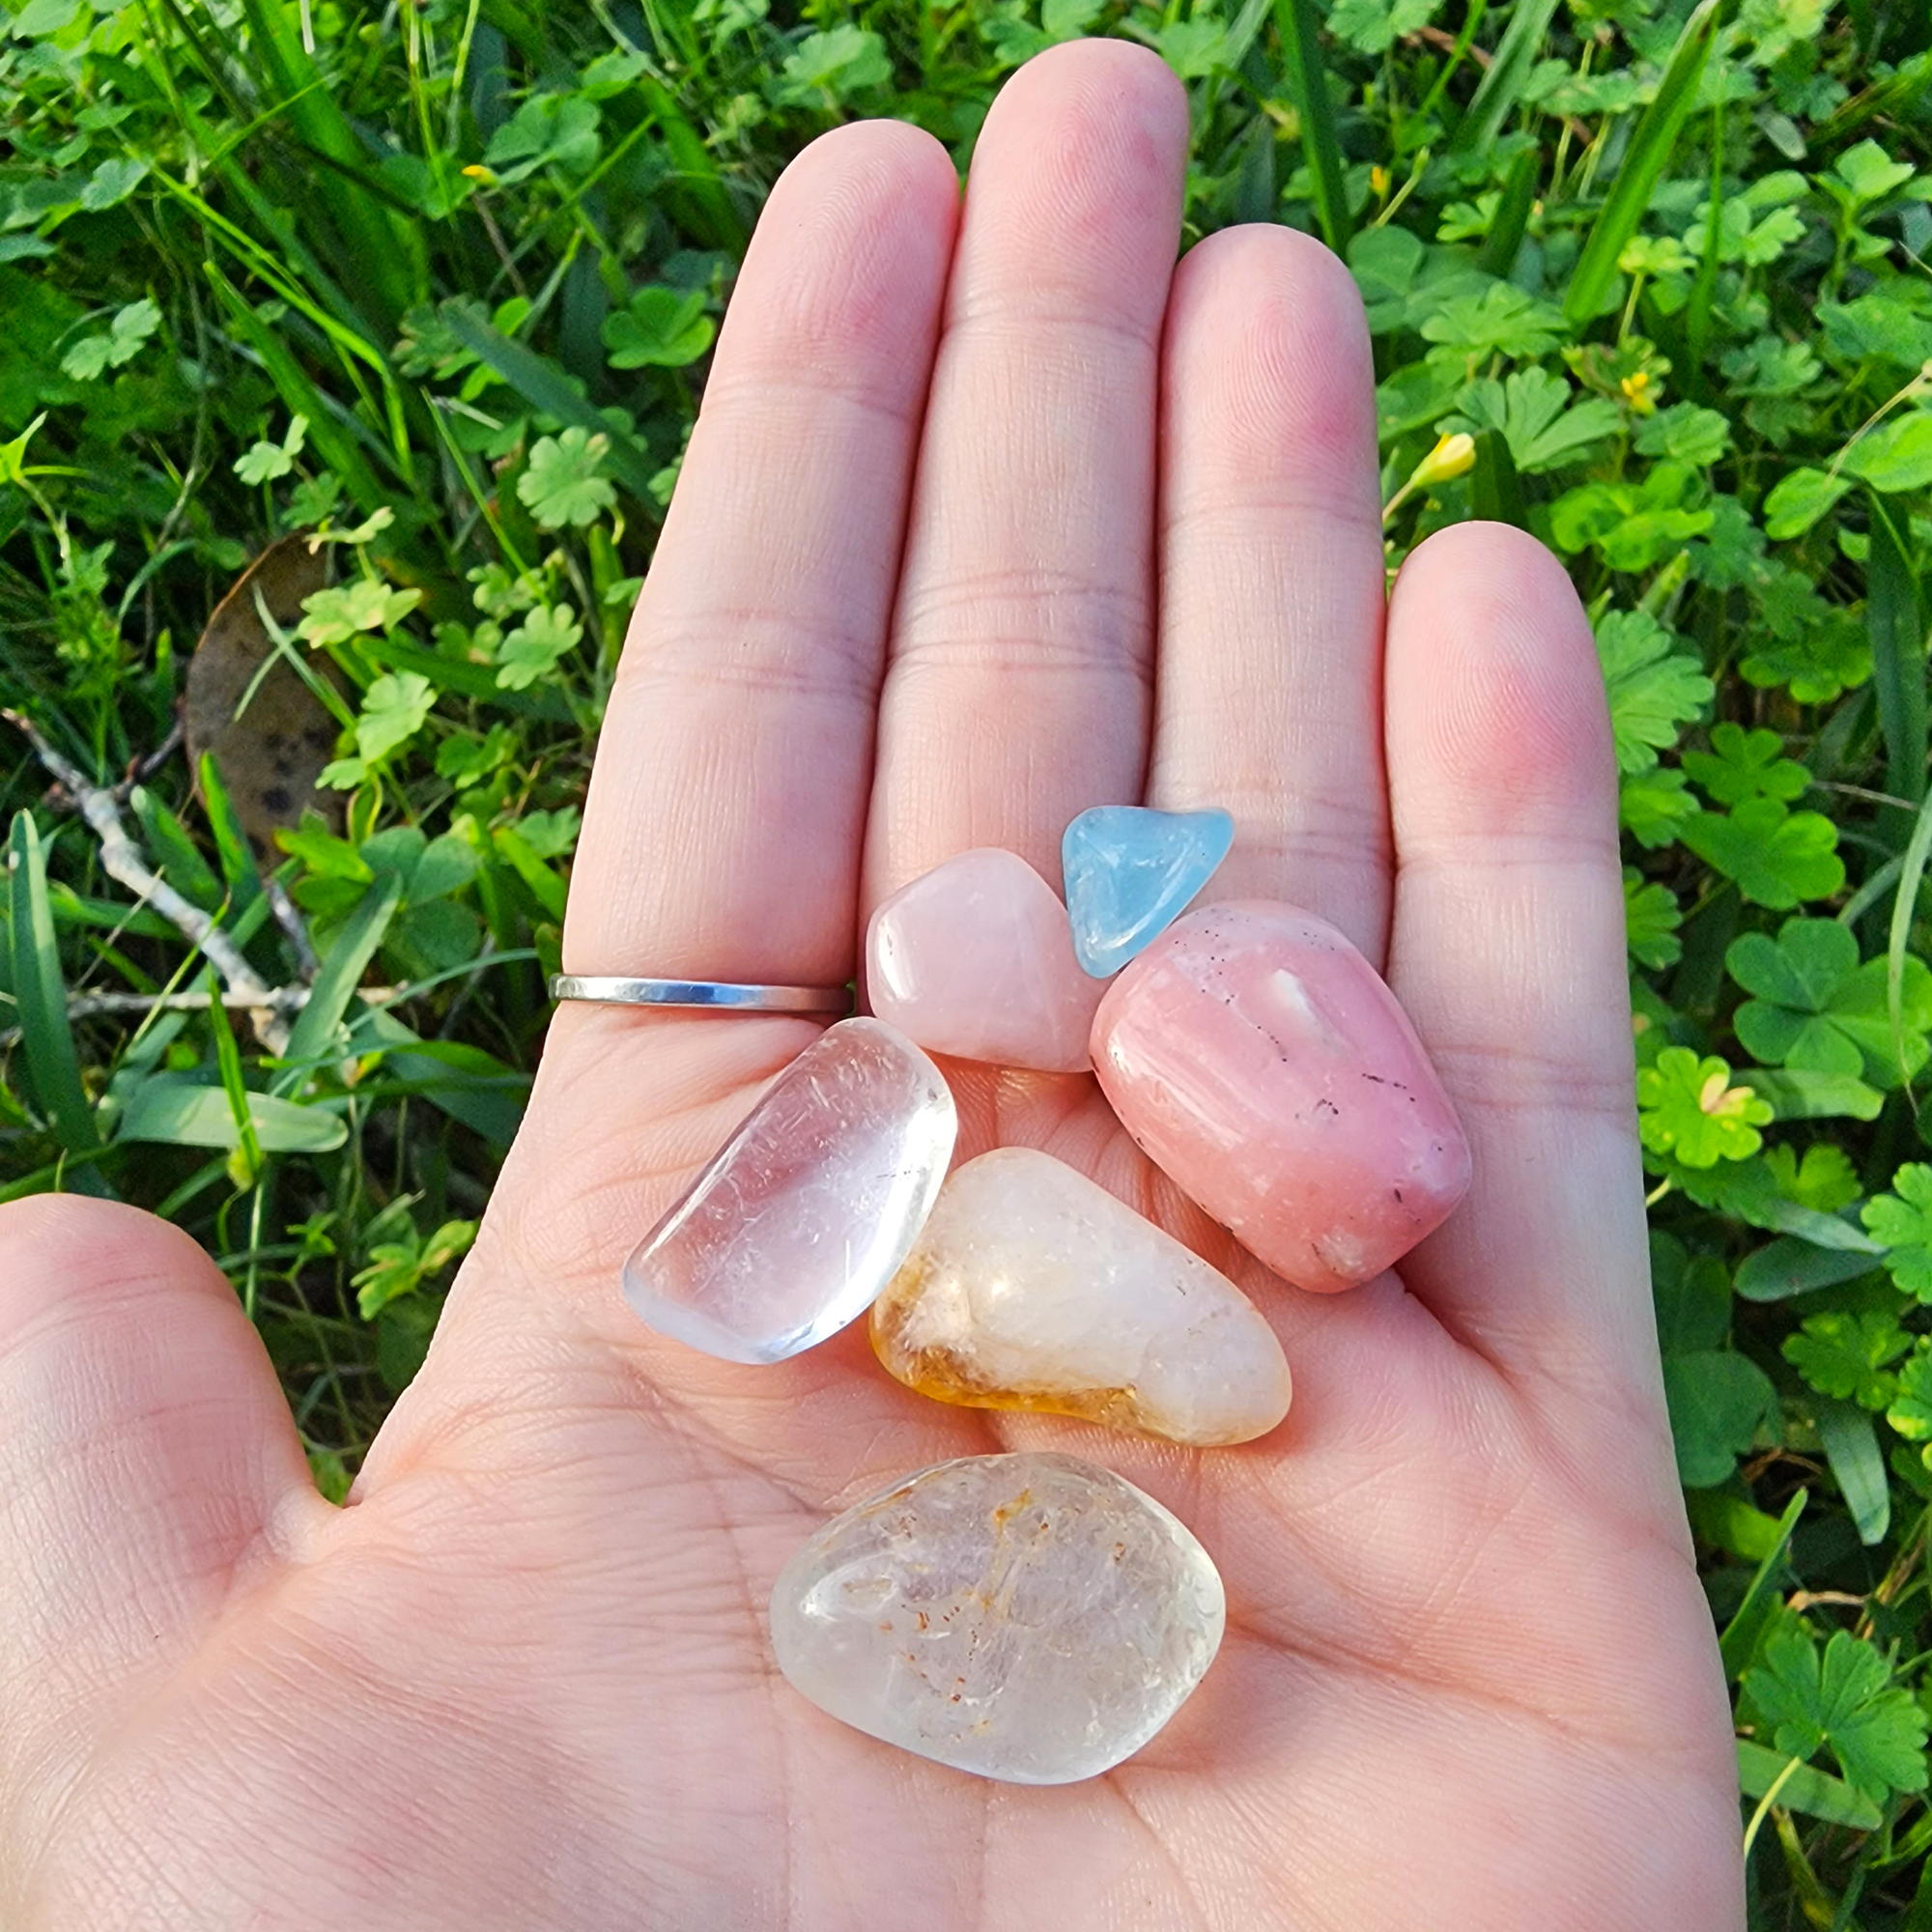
[{"x": 148, "y": 1466}]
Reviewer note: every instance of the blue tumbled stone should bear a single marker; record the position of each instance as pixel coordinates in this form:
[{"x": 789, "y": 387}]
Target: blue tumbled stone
[{"x": 1129, "y": 872}]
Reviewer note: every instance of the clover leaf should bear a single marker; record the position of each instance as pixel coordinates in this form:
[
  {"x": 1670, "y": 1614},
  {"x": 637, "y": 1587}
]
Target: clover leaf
[
  {"x": 130, "y": 329},
  {"x": 1743, "y": 764},
  {"x": 1687, "y": 1108},
  {"x": 1824, "y": 1179},
  {"x": 840, "y": 62},
  {"x": 1651, "y": 919},
  {"x": 1845, "y": 1355},
  {"x": 1869, "y": 173},
  {"x": 548, "y": 128},
  {"x": 1651, "y": 688},
  {"x": 1903, "y": 1221},
  {"x": 562, "y": 484},
  {"x": 263, "y": 462},
  {"x": 1911, "y": 1411},
  {"x": 661, "y": 329},
  {"x": 394, "y": 709},
  {"x": 1798, "y": 500},
  {"x": 1540, "y": 420},
  {"x": 1895, "y": 457},
  {"x": 1818, "y": 1008},
  {"x": 1686, "y": 433},
  {"x": 1717, "y": 1401},
  {"x": 363, "y": 603},
  {"x": 1374, "y": 26},
  {"x": 1654, "y": 807},
  {"x": 1776, "y": 857},
  {"x": 1844, "y": 1698},
  {"x": 532, "y": 649},
  {"x": 1501, "y": 320}
]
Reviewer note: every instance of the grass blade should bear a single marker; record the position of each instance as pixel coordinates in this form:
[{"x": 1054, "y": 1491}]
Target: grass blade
[
  {"x": 1815, "y": 1793},
  {"x": 1495, "y": 491},
  {"x": 1858, "y": 1467},
  {"x": 1648, "y": 156},
  {"x": 1307, "y": 81},
  {"x": 1746, "y": 1625},
  {"x": 388, "y": 254},
  {"x": 231, "y": 841},
  {"x": 1911, "y": 876},
  {"x": 1895, "y": 623},
  {"x": 177, "y": 1115},
  {"x": 228, "y": 1058},
  {"x": 342, "y": 971},
  {"x": 1502, "y": 86},
  {"x": 331, "y": 441},
  {"x": 1503, "y": 241},
  {"x": 40, "y": 993}
]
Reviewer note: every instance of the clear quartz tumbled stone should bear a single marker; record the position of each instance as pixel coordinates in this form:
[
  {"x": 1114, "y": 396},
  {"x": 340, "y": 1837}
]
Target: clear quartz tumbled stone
[
  {"x": 809, "y": 1209},
  {"x": 1031, "y": 1618}
]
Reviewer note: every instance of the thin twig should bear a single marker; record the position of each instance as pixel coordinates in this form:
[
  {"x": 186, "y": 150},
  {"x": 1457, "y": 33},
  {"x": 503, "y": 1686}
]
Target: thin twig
[
  {"x": 287, "y": 999},
  {"x": 124, "y": 862},
  {"x": 141, "y": 770},
  {"x": 288, "y": 916}
]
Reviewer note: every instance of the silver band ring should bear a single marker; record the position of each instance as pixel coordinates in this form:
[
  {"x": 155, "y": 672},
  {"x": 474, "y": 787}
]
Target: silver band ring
[{"x": 719, "y": 996}]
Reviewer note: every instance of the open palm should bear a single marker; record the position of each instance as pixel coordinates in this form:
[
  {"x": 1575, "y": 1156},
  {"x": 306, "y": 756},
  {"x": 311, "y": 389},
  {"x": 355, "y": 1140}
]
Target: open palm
[{"x": 977, "y": 529}]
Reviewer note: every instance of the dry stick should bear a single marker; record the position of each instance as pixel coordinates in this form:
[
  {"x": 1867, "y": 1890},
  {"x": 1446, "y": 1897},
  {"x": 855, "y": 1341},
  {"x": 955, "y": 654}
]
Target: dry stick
[
  {"x": 288, "y": 916},
  {"x": 268, "y": 1006},
  {"x": 87, "y": 1006}
]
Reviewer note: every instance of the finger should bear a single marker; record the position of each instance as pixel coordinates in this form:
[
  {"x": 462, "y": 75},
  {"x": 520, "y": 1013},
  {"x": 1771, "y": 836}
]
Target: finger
[
  {"x": 1269, "y": 690},
  {"x": 1508, "y": 951},
  {"x": 148, "y": 1467},
  {"x": 722, "y": 827},
  {"x": 1019, "y": 688}
]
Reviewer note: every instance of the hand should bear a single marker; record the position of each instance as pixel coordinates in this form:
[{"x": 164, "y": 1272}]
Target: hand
[{"x": 974, "y": 532}]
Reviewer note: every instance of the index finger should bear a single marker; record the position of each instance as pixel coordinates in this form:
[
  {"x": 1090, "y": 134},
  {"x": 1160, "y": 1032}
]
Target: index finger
[{"x": 720, "y": 837}]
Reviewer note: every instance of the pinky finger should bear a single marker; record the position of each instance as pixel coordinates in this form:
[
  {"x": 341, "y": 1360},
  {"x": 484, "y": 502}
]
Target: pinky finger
[{"x": 1508, "y": 951}]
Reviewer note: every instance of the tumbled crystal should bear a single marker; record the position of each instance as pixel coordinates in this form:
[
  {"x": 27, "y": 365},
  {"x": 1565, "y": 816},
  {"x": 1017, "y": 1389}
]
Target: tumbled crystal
[
  {"x": 809, "y": 1209},
  {"x": 1032, "y": 1618},
  {"x": 1031, "y": 1287},
  {"x": 1129, "y": 872},
  {"x": 976, "y": 959},
  {"x": 1263, "y": 1064}
]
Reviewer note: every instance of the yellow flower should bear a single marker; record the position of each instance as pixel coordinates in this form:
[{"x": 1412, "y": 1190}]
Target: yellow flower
[
  {"x": 1636, "y": 392},
  {"x": 1453, "y": 456},
  {"x": 1379, "y": 181},
  {"x": 477, "y": 172}
]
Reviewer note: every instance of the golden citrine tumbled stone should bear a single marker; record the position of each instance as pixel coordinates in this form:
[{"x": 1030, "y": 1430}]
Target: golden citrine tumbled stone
[{"x": 1030, "y": 1287}]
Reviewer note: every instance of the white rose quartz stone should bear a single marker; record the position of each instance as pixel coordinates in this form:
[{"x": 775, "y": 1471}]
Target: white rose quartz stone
[{"x": 976, "y": 959}]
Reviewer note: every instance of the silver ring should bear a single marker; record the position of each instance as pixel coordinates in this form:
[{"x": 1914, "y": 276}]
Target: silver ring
[{"x": 719, "y": 996}]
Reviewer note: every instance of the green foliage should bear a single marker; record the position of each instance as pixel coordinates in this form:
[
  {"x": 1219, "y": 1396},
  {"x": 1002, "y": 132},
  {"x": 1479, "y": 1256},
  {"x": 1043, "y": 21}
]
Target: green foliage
[
  {"x": 1689, "y": 1109},
  {"x": 441, "y": 288},
  {"x": 1902, "y": 1220},
  {"x": 1652, "y": 688},
  {"x": 1841, "y": 1697},
  {"x": 1845, "y": 1354}
]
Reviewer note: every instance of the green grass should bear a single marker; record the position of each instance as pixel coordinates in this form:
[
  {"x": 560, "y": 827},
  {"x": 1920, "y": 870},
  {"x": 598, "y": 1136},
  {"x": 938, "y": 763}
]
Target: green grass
[{"x": 1723, "y": 426}]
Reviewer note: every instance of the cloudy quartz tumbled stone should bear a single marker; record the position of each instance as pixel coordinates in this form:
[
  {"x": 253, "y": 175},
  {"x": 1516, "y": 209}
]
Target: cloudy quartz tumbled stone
[
  {"x": 1031, "y": 1287},
  {"x": 1032, "y": 1618},
  {"x": 808, "y": 1210}
]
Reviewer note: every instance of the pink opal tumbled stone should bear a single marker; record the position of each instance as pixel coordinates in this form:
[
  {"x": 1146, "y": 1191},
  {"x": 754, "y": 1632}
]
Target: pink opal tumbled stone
[
  {"x": 1265, "y": 1067},
  {"x": 976, "y": 959}
]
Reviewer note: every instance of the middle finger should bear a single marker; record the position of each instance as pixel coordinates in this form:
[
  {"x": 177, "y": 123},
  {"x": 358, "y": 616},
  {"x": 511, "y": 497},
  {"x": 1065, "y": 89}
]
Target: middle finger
[{"x": 1018, "y": 689}]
